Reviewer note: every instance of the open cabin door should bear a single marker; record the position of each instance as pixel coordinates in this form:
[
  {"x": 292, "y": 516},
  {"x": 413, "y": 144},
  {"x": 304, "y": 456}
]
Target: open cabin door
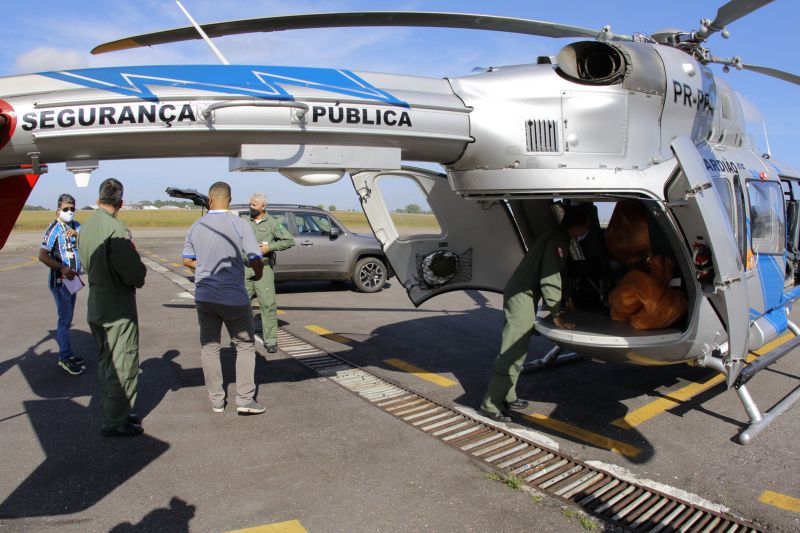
[
  {"x": 475, "y": 246},
  {"x": 704, "y": 221}
]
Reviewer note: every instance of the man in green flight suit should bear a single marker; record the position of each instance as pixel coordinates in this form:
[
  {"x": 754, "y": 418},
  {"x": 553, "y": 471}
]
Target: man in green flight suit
[
  {"x": 272, "y": 237},
  {"x": 115, "y": 271},
  {"x": 537, "y": 276}
]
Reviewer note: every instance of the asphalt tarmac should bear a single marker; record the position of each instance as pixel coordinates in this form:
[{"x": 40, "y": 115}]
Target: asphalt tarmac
[{"x": 327, "y": 459}]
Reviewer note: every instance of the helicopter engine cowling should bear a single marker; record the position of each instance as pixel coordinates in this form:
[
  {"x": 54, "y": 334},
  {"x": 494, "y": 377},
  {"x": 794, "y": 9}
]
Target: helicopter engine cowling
[
  {"x": 633, "y": 66},
  {"x": 592, "y": 63}
]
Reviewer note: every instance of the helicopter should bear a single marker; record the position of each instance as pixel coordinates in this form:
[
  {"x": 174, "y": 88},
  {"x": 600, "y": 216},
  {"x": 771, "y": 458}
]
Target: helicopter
[{"x": 611, "y": 119}]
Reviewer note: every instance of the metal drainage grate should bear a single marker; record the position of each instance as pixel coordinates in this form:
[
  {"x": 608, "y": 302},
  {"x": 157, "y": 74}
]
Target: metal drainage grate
[{"x": 629, "y": 505}]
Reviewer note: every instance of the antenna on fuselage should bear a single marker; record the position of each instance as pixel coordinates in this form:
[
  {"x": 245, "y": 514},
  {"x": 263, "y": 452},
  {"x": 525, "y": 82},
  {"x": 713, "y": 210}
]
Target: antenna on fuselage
[
  {"x": 205, "y": 37},
  {"x": 766, "y": 138}
]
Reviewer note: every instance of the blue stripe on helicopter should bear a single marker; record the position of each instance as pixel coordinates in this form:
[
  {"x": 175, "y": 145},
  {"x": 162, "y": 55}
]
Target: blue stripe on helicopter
[
  {"x": 260, "y": 82},
  {"x": 771, "y": 276}
]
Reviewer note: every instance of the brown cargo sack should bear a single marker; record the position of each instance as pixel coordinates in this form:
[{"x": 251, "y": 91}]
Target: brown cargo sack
[
  {"x": 627, "y": 236},
  {"x": 646, "y": 300}
]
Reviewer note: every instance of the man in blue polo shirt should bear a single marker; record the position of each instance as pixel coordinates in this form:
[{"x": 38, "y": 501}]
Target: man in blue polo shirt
[
  {"x": 59, "y": 252},
  {"x": 214, "y": 248}
]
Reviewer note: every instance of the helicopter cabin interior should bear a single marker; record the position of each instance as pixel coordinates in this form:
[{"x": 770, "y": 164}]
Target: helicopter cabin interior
[
  {"x": 627, "y": 276},
  {"x": 632, "y": 274}
]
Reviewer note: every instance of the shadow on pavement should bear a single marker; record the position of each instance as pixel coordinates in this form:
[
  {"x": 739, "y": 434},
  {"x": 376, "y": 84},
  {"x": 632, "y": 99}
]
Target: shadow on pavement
[
  {"x": 80, "y": 466},
  {"x": 588, "y": 395},
  {"x": 160, "y": 375},
  {"x": 299, "y": 286},
  {"x": 172, "y": 519}
]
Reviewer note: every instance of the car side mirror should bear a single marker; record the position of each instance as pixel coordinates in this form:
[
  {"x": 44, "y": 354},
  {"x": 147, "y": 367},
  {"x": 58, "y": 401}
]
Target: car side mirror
[{"x": 334, "y": 233}]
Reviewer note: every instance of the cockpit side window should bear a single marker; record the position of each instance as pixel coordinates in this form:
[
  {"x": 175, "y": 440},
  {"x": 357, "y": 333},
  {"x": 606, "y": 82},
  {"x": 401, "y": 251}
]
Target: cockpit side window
[
  {"x": 741, "y": 210},
  {"x": 767, "y": 221},
  {"x": 723, "y": 188}
]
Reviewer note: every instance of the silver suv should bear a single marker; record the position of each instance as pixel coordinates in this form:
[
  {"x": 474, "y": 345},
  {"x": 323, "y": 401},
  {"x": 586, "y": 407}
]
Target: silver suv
[{"x": 325, "y": 249}]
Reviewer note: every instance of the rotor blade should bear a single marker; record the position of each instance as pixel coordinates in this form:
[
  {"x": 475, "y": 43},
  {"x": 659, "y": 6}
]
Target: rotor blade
[
  {"x": 374, "y": 18},
  {"x": 731, "y": 12},
  {"x": 775, "y": 73}
]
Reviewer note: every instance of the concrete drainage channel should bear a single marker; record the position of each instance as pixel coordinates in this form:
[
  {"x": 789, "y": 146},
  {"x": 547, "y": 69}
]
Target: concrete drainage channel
[{"x": 623, "y": 503}]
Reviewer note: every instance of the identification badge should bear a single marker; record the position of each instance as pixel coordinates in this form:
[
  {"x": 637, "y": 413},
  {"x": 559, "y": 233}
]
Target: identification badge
[{"x": 69, "y": 255}]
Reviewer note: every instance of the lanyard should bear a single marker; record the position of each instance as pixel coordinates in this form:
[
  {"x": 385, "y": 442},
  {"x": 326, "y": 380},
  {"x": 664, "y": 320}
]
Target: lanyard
[{"x": 67, "y": 240}]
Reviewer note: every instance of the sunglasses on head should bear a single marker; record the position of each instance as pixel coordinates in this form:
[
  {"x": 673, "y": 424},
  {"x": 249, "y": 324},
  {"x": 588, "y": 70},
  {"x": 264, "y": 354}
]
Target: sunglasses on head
[{"x": 65, "y": 209}]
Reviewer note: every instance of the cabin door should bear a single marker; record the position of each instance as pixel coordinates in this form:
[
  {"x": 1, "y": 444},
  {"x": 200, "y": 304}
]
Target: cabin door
[{"x": 448, "y": 243}]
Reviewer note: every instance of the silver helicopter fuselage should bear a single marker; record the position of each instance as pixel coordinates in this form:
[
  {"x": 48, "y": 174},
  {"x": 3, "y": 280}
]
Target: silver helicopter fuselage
[{"x": 513, "y": 137}]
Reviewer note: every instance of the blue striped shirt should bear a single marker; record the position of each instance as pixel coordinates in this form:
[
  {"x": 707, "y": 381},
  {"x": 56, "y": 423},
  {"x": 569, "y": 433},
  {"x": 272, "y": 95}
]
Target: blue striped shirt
[{"x": 61, "y": 248}]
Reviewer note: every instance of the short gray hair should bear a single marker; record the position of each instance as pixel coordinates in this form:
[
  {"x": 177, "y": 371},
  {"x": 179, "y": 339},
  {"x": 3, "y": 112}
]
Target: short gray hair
[{"x": 259, "y": 196}]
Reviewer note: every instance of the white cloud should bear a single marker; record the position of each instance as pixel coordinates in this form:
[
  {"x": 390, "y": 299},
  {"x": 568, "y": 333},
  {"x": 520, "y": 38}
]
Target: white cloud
[{"x": 47, "y": 58}]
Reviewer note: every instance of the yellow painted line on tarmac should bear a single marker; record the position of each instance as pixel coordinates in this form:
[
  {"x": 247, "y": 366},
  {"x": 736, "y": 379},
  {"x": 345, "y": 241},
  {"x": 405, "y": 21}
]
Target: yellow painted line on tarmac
[
  {"x": 280, "y": 312},
  {"x": 290, "y": 526},
  {"x": 674, "y": 399},
  {"x": 781, "y": 501},
  {"x": 31, "y": 261},
  {"x": 420, "y": 372},
  {"x": 322, "y": 332},
  {"x": 176, "y": 265},
  {"x": 601, "y": 441}
]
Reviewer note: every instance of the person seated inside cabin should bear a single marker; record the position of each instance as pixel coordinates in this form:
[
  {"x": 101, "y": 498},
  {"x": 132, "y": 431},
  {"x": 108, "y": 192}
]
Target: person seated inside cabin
[
  {"x": 587, "y": 275},
  {"x": 643, "y": 296}
]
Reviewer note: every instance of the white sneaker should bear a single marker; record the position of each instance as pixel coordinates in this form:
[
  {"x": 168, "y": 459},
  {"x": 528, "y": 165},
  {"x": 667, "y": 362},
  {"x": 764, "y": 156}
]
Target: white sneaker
[{"x": 218, "y": 409}]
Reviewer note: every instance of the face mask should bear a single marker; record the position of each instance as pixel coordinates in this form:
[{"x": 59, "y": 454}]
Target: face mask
[
  {"x": 254, "y": 213},
  {"x": 66, "y": 216}
]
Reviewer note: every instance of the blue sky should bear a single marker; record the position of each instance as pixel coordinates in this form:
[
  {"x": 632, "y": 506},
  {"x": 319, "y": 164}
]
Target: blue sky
[{"x": 53, "y": 34}]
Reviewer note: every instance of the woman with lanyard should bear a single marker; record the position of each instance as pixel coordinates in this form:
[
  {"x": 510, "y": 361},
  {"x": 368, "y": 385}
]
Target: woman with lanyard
[{"x": 59, "y": 252}]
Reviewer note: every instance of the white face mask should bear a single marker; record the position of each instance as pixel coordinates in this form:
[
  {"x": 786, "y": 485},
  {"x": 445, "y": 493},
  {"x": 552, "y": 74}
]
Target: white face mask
[{"x": 66, "y": 216}]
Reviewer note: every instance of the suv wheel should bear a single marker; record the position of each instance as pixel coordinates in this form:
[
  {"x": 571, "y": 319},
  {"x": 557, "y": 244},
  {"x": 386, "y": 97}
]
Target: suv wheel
[{"x": 369, "y": 274}]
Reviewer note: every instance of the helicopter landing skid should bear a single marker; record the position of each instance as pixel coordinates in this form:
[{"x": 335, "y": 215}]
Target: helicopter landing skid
[
  {"x": 758, "y": 420},
  {"x": 556, "y": 356}
]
